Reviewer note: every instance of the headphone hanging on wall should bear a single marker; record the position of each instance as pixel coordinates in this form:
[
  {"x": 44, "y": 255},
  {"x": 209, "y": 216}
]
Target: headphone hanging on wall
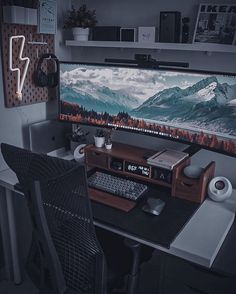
[{"x": 43, "y": 79}]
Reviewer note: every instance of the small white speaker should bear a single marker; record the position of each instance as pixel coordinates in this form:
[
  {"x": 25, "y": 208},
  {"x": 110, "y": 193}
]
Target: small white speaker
[{"x": 219, "y": 189}]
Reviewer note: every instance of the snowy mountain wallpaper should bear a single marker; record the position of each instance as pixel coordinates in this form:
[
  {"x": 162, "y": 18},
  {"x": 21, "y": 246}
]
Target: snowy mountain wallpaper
[{"x": 193, "y": 107}]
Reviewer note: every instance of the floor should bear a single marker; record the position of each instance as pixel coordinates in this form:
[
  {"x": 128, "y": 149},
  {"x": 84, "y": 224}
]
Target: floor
[{"x": 148, "y": 281}]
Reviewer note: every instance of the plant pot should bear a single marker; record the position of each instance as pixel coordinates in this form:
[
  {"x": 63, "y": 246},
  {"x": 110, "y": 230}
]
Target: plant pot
[
  {"x": 99, "y": 141},
  {"x": 108, "y": 146},
  {"x": 80, "y": 34}
]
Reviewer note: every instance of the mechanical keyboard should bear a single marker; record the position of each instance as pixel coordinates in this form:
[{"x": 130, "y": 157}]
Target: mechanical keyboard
[{"x": 116, "y": 185}]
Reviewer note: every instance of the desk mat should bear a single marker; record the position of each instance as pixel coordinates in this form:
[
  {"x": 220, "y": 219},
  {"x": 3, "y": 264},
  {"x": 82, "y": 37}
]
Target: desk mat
[{"x": 160, "y": 230}]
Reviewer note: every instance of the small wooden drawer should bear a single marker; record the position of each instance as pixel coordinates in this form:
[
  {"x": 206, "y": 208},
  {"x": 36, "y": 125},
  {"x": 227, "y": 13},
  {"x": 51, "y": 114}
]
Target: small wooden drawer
[
  {"x": 98, "y": 159},
  {"x": 193, "y": 189},
  {"x": 188, "y": 188}
]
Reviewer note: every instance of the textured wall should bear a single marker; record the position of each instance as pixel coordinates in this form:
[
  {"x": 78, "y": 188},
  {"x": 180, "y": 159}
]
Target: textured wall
[{"x": 14, "y": 122}]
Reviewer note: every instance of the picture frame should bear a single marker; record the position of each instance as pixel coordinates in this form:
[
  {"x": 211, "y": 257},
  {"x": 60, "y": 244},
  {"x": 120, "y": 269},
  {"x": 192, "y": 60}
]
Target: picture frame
[
  {"x": 47, "y": 17},
  {"x": 146, "y": 34},
  {"x": 216, "y": 23}
]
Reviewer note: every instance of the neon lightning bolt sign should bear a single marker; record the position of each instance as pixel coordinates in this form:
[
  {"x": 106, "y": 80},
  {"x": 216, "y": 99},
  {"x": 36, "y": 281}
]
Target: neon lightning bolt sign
[{"x": 20, "y": 80}]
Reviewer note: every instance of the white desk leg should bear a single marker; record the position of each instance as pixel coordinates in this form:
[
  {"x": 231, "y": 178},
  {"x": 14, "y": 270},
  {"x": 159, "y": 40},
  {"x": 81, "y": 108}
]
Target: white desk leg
[
  {"x": 5, "y": 233},
  {"x": 13, "y": 237}
]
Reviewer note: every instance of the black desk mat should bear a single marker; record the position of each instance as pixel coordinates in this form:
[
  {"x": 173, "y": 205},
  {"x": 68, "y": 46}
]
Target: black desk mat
[{"x": 161, "y": 229}]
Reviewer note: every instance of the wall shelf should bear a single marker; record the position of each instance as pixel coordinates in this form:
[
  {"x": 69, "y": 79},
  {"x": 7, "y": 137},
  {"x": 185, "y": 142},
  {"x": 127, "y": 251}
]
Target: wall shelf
[{"x": 209, "y": 48}]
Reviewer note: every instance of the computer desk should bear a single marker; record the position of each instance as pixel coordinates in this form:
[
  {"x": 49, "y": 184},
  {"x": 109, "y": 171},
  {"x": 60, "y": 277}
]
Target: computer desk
[{"x": 121, "y": 223}]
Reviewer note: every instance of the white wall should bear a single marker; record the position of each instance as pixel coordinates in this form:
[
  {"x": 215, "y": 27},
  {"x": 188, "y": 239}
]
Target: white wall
[
  {"x": 134, "y": 13},
  {"x": 14, "y": 121}
]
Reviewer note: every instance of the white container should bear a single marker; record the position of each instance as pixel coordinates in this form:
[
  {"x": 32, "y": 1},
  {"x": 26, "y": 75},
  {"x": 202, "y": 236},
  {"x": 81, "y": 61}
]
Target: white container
[
  {"x": 146, "y": 34},
  {"x": 80, "y": 34},
  {"x": 108, "y": 146},
  {"x": 31, "y": 16},
  {"x": 14, "y": 14},
  {"x": 99, "y": 141}
]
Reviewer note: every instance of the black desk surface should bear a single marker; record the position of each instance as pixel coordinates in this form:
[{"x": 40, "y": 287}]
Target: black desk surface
[{"x": 161, "y": 229}]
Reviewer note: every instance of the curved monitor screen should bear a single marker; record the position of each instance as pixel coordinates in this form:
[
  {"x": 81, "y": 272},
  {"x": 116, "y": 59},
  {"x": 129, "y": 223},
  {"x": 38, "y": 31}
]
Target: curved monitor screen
[{"x": 194, "y": 107}]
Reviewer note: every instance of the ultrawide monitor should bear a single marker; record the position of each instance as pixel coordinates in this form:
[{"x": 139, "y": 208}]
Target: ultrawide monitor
[{"x": 188, "y": 106}]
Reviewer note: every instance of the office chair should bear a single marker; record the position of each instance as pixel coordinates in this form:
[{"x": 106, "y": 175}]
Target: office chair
[{"x": 65, "y": 255}]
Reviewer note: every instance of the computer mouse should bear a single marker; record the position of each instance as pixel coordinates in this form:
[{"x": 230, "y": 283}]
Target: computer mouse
[{"x": 154, "y": 206}]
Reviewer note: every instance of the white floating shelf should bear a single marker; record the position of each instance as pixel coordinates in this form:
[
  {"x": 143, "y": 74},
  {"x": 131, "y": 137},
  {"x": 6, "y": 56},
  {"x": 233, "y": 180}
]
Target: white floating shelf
[{"x": 203, "y": 47}]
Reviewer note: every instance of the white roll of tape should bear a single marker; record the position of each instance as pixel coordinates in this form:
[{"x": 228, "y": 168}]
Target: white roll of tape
[{"x": 79, "y": 153}]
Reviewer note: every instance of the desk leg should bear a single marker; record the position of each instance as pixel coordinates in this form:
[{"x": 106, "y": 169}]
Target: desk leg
[
  {"x": 13, "y": 237},
  {"x": 5, "y": 234}
]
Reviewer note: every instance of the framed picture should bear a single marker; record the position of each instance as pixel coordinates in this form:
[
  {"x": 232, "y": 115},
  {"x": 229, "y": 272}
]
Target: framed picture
[
  {"x": 47, "y": 17},
  {"x": 216, "y": 23},
  {"x": 146, "y": 34}
]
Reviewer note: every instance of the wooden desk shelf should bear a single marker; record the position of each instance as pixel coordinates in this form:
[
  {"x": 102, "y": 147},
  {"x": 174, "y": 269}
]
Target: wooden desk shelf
[
  {"x": 129, "y": 156},
  {"x": 126, "y": 154}
]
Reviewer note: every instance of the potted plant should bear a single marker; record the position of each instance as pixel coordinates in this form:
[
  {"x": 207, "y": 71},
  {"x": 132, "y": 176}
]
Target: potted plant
[
  {"x": 108, "y": 141},
  {"x": 80, "y": 21},
  {"x": 77, "y": 137},
  {"x": 99, "y": 138}
]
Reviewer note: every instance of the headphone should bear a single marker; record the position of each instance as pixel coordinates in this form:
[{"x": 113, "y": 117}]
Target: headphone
[{"x": 49, "y": 80}]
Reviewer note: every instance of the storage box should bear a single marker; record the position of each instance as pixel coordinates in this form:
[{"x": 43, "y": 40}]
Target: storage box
[
  {"x": 31, "y": 16},
  {"x": 20, "y": 15},
  {"x": 106, "y": 33},
  {"x": 14, "y": 14}
]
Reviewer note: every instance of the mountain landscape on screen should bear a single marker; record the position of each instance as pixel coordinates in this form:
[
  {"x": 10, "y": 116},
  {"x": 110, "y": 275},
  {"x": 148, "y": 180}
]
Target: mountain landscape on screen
[
  {"x": 156, "y": 100},
  {"x": 207, "y": 105}
]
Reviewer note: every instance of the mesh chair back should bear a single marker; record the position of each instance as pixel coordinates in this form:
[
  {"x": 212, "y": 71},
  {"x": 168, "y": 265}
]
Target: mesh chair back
[{"x": 62, "y": 221}]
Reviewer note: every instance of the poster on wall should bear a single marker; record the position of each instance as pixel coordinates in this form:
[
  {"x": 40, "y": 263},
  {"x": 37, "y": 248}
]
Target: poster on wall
[
  {"x": 216, "y": 23},
  {"x": 47, "y": 17}
]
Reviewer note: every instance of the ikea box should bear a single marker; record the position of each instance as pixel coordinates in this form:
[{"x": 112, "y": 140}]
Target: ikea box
[
  {"x": 146, "y": 34},
  {"x": 106, "y": 33}
]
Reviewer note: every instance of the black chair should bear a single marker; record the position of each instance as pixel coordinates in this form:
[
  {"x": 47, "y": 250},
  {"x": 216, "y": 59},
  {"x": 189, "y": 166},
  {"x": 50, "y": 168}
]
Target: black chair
[{"x": 65, "y": 256}]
